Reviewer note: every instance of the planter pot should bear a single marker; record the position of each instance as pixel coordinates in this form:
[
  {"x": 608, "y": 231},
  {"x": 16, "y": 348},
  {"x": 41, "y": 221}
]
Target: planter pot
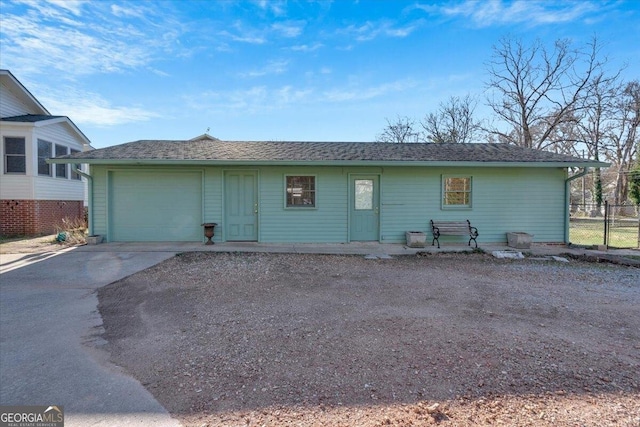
[
  {"x": 519, "y": 240},
  {"x": 416, "y": 239},
  {"x": 94, "y": 240},
  {"x": 209, "y": 228}
]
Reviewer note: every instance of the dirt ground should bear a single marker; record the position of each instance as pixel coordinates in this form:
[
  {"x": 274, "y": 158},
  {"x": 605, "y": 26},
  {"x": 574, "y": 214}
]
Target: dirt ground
[
  {"x": 30, "y": 245},
  {"x": 311, "y": 340}
]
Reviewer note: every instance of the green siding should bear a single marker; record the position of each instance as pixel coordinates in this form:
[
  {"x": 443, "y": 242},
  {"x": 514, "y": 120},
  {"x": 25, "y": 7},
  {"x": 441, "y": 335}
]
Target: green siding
[
  {"x": 213, "y": 202},
  {"x": 99, "y": 174},
  {"x": 503, "y": 199},
  {"x": 327, "y": 222}
]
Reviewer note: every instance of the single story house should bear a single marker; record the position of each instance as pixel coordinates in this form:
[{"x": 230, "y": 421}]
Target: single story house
[
  {"x": 325, "y": 192},
  {"x": 35, "y": 197}
]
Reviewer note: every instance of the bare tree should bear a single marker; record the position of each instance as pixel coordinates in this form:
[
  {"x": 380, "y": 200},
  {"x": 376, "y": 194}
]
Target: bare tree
[
  {"x": 634, "y": 187},
  {"x": 402, "y": 130},
  {"x": 453, "y": 122},
  {"x": 534, "y": 90},
  {"x": 624, "y": 137},
  {"x": 596, "y": 120}
]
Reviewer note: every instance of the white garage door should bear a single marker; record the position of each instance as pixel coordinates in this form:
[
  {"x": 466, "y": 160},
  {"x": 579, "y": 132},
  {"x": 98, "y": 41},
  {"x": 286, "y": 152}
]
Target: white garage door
[{"x": 155, "y": 206}]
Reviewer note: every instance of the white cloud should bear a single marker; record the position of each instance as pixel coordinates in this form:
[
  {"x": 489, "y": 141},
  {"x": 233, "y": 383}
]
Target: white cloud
[
  {"x": 55, "y": 8},
  {"x": 244, "y": 34},
  {"x": 276, "y": 7},
  {"x": 245, "y": 38},
  {"x": 497, "y": 12},
  {"x": 51, "y": 36},
  {"x": 273, "y": 67},
  {"x": 288, "y": 29},
  {"x": 307, "y": 48},
  {"x": 86, "y": 108},
  {"x": 371, "y": 30},
  {"x": 358, "y": 93},
  {"x": 73, "y": 6},
  {"x": 287, "y": 95},
  {"x": 34, "y": 48},
  {"x": 261, "y": 99},
  {"x": 126, "y": 11},
  {"x": 252, "y": 100}
]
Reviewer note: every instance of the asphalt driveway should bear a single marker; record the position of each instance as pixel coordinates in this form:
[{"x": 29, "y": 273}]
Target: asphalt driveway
[{"x": 50, "y": 345}]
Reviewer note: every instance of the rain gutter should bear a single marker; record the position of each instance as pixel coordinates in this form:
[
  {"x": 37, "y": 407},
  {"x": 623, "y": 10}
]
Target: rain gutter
[{"x": 90, "y": 201}]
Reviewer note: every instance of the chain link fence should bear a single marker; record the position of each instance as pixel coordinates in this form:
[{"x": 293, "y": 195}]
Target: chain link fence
[{"x": 616, "y": 226}]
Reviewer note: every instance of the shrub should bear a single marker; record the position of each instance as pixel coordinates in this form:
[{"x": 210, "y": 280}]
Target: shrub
[{"x": 72, "y": 231}]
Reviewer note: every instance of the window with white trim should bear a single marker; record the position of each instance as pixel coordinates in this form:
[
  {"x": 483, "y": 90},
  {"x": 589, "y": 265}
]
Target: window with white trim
[
  {"x": 44, "y": 153},
  {"x": 61, "y": 168},
  {"x": 15, "y": 159},
  {"x": 300, "y": 191},
  {"x": 456, "y": 191}
]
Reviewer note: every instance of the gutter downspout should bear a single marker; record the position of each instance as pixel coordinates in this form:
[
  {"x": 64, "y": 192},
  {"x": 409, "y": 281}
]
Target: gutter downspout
[
  {"x": 567, "y": 201},
  {"x": 90, "y": 201}
]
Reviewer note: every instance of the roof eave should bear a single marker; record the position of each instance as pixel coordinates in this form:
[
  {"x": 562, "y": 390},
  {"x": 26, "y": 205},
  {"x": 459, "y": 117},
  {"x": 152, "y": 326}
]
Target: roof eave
[
  {"x": 19, "y": 124},
  {"x": 54, "y": 120},
  {"x": 402, "y": 163}
]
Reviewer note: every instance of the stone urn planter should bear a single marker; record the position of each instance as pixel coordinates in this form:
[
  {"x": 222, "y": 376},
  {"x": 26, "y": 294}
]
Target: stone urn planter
[
  {"x": 519, "y": 239},
  {"x": 416, "y": 239},
  {"x": 208, "y": 231}
]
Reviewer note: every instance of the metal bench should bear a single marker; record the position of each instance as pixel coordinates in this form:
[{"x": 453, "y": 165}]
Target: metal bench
[{"x": 453, "y": 228}]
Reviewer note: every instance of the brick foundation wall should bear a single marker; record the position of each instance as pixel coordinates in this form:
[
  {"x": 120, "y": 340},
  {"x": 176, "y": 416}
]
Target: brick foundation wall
[{"x": 34, "y": 217}]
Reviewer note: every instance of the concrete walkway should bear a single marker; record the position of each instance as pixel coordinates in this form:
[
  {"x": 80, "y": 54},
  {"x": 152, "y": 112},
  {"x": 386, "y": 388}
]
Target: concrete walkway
[
  {"x": 50, "y": 345},
  {"x": 355, "y": 248}
]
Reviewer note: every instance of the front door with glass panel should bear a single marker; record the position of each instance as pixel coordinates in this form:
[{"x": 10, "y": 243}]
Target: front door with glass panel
[{"x": 364, "y": 208}]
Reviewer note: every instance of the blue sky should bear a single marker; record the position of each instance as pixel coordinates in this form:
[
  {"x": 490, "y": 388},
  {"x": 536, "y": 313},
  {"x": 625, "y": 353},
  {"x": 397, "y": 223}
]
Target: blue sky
[{"x": 278, "y": 70}]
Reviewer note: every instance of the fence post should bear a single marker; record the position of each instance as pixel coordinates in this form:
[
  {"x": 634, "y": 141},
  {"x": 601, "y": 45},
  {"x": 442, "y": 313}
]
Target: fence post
[
  {"x": 638, "y": 226},
  {"x": 606, "y": 224}
]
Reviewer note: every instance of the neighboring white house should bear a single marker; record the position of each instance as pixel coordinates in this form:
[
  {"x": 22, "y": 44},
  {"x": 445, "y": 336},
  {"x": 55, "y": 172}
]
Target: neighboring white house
[{"x": 34, "y": 196}]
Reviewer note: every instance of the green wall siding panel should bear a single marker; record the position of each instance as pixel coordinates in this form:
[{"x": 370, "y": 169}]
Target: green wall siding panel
[
  {"x": 327, "y": 222},
  {"x": 99, "y": 174},
  {"x": 503, "y": 199},
  {"x": 213, "y": 203}
]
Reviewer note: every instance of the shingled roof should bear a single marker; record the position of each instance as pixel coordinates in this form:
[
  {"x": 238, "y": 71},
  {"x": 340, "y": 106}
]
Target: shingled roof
[
  {"x": 30, "y": 118},
  {"x": 207, "y": 151}
]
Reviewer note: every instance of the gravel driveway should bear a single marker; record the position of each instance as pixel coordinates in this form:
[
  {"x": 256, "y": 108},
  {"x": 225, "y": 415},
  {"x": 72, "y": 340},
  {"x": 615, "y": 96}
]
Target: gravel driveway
[{"x": 454, "y": 340}]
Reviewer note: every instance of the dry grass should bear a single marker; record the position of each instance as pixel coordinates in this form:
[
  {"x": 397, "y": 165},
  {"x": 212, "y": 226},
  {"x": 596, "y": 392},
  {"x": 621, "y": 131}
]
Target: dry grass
[{"x": 71, "y": 231}]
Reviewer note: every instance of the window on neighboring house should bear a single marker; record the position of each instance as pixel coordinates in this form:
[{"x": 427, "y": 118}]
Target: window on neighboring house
[
  {"x": 14, "y": 155},
  {"x": 456, "y": 191},
  {"x": 75, "y": 166},
  {"x": 61, "y": 168},
  {"x": 301, "y": 191},
  {"x": 44, "y": 153}
]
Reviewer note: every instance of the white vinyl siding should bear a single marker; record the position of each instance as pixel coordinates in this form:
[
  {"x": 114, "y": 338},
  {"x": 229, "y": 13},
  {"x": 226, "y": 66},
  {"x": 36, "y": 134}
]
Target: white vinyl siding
[
  {"x": 10, "y": 105},
  {"x": 29, "y": 184}
]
